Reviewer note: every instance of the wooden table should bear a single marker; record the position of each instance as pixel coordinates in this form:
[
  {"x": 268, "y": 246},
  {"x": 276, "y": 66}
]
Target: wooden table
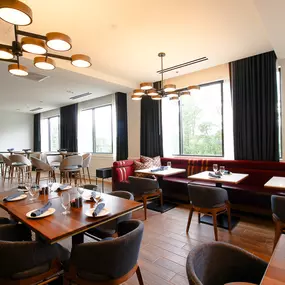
[
  {"x": 58, "y": 226},
  {"x": 275, "y": 272},
  {"x": 234, "y": 178},
  {"x": 167, "y": 172},
  {"x": 275, "y": 182}
]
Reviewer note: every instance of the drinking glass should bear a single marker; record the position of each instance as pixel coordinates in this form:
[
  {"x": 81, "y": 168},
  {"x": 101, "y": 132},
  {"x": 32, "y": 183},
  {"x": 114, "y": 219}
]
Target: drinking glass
[
  {"x": 169, "y": 164},
  {"x": 98, "y": 197},
  {"x": 65, "y": 202},
  {"x": 33, "y": 191},
  {"x": 215, "y": 167},
  {"x": 222, "y": 169},
  {"x": 80, "y": 190}
]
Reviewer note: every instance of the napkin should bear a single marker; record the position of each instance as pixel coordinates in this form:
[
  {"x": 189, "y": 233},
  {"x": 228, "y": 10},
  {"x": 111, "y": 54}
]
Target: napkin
[
  {"x": 12, "y": 196},
  {"x": 41, "y": 210},
  {"x": 214, "y": 175},
  {"x": 62, "y": 187},
  {"x": 93, "y": 196},
  {"x": 159, "y": 168},
  {"x": 98, "y": 209}
]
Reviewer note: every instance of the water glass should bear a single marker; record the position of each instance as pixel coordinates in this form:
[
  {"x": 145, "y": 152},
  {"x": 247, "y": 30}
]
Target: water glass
[
  {"x": 33, "y": 191},
  {"x": 80, "y": 190},
  {"x": 65, "y": 202},
  {"x": 169, "y": 164},
  {"x": 215, "y": 167},
  {"x": 222, "y": 169}
]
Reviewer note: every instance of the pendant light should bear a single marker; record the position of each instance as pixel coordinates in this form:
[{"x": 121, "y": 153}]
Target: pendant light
[
  {"x": 157, "y": 97},
  {"x": 33, "y": 45},
  {"x": 80, "y": 60},
  {"x": 169, "y": 87},
  {"x": 6, "y": 53},
  {"x": 138, "y": 92},
  {"x": 15, "y": 12},
  {"x": 152, "y": 92},
  {"x": 18, "y": 69},
  {"x": 146, "y": 86},
  {"x": 45, "y": 63},
  {"x": 136, "y": 97},
  {"x": 58, "y": 41}
]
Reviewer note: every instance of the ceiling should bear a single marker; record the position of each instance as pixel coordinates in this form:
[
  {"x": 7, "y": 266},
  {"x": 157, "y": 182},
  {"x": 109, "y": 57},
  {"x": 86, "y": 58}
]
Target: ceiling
[{"x": 124, "y": 37}]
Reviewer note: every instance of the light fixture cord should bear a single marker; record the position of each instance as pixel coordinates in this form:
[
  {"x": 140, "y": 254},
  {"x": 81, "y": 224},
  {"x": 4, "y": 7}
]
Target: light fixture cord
[{"x": 161, "y": 86}]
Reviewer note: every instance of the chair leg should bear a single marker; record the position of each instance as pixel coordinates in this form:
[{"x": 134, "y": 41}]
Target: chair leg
[
  {"x": 79, "y": 173},
  {"x": 139, "y": 275},
  {"x": 83, "y": 175},
  {"x": 189, "y": 218},
  {"x": 145, "y": 206},
  {"x": 89, "y": 175},
  {"x": 11, "y": 173},
  {"x": 229, "y": 216},
  {"x": 215, "y": 225},
  {"x": 161, "y": 200},
  {"x": 278, "y": 232},
  {"x": 199, "y": 217}
]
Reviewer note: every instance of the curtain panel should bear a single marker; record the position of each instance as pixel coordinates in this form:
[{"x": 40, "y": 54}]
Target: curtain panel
[
  {"x": 122, "y": 125},
  {"x": 255, "y": 118},
  {"x": 37, "y": 132},
  {"x": 68, "y": 127},
  {"x": 151, "y": 126}
]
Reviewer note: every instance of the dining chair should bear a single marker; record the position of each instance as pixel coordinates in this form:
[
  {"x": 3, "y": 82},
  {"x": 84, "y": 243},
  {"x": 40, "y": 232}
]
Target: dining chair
[
  {"x": 209, "y": 201},
  {"x": 25, "y": 262},
  {"x": 42, "y": 167},
  {"x": 54, "y": 160},
  {"x": 219, "y": 263},
  {"x": 86, "y": 163},
  {"x": 71, "y": 166},
  {"x": 7, "y": 167},
  {"x": 21, "y": 165},
  {"x": 278, "y": 215},
  {"x": 2, "y": 165},
  {"x": 144, "y": 189},
  {"x": 110, "y": 229},
  {"x": 108, "y": 262}
]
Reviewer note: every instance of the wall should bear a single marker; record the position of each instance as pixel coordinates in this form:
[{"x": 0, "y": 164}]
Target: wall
[{"x": 16, "y": 130}]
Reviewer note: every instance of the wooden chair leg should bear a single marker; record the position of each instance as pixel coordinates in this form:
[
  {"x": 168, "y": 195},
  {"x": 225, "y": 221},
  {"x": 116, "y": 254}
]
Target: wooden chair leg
[
  {"x": 139, "y": 275},
  {"x": 189, "y": 218},
  {"x": 229, "y": 217},
  {"x": 12, "y": 173},
  {"x": 89, "y": 175},
  {"x": 278, "y": 232},
  {"x": 83, "y": 175},
  {"x": 215, "y": 223},
  {"x": 199, "y": 217},
  {"x": 145, "y": 207},
  {"x": 53, "y": 175},
  {"x": 80, "y": 179}
]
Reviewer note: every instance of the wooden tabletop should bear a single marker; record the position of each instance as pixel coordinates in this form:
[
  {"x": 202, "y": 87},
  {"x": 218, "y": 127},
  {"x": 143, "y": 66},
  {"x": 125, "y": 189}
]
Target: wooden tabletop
[
  {"x": 234, "y": 178},
  {"x": 275, "y": 182},
  {"x": 167, "y": 172},
  {"x": 275, "y": 272},
  {"x": 58, "y": 226}
]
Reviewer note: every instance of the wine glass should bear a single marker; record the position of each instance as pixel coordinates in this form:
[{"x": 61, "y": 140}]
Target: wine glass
[
  {"x": 65, "y": 202},
  {"x": 80, "y": 190},
  {"x": 222, "y": 169},
  {"x": 215, "y": 167},
  {"x": 33, "y": 191},
  {"x": 99, "y": 197}
]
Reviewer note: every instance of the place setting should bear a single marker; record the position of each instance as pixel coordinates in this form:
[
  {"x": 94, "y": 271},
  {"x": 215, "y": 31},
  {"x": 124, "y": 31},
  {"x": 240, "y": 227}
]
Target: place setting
[
  {"x": 42, "y": 212},
  {"x": 15, "y": 197}
]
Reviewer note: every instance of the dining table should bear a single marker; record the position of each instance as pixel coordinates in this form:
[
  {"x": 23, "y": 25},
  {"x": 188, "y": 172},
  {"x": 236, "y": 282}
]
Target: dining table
[{"x": 57, "y": 226}]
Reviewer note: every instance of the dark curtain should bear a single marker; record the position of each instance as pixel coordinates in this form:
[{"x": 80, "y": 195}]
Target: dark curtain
[
  {"x": 68, "y": 127},
  {"x": 37, "y": 132},
  {"x": 122, "y": 125},
  {"x": 151, "y": 126},
  {"x": 254, "y": 92}
]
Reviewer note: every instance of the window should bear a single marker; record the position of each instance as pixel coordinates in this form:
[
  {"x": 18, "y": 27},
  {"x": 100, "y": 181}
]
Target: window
[
  {"x": 95, "y": 130},
  {"x": 279, "y": 112},
  {"x": 50, "y": 134}
]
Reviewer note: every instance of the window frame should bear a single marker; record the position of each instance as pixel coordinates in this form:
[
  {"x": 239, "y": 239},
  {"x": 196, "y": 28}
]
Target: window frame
[
  {"x": 49, "y": 132},
  {"x": 221, "y": 82},
  {"x": 280, "y": 146}
]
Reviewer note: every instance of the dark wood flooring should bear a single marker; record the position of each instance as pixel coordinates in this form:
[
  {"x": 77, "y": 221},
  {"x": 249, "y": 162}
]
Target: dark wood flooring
[{"x": 166, "y": 245}]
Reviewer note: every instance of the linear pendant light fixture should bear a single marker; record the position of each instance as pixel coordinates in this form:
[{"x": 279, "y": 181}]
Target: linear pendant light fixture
[
  {"x": 19, "y": 14},
  {"x": 168, "y": 90}
]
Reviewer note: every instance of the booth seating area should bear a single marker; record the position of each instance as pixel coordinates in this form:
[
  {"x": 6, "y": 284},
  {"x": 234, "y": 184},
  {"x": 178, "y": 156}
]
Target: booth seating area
[{"x": 249, "y": 195}]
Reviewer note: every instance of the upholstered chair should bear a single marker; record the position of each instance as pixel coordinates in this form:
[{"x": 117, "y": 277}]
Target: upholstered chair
[
  {"x": 22, "y": 165},
  {"x": 108, "y": 262},
  {"x": 71, "y": 166},
  {"x": 210, "y": 201},
  {"x": 86, "y": 164},
  {"x": 110, "y": 229},
  {"x": 219, "y": 263},
  {"x": 43, "y": 167},
  {"x": 26, "y": 262},
  {"x": 7, "y": 167},
  {"x": 54, "y": 160},
  {"x": 145, "y": 188},
  {"x": 278, "y": 214}
]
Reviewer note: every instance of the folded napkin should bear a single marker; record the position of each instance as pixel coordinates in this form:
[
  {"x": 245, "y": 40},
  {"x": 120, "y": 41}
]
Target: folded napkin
[
  {"x": 227, "y": 172},
  {"x": 41, "y": 210},
  {"x": 214, "y": 175},
  {"x": 159, "y": 168},
  {"x": 98, "y": 209},
  {"x": 12, "y": 196},
  {"x": 93, "y": 196},
  {"x": 62, "y": 187}
]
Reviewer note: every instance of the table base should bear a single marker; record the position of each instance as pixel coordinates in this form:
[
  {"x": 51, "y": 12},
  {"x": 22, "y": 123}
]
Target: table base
[{"x": 221, "y": 219}]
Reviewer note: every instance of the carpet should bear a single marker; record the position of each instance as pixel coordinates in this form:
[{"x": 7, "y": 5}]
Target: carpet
[
  {"x": 222, "y": 221},
  {"x": 155, "y": 206}
]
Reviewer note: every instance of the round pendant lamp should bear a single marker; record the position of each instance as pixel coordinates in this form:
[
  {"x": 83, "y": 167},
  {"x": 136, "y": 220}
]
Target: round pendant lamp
[
  {"x": 58, "y": 41},
  {"x": 18, "y": 69},
  {"x": 33, "y": 45},
  {"x": 146, "y": 86},
  {"x": 44, "y": 63},
  {"x": 6, "y": 53},
  {"x": 80, "y": 60},
  {"x": 136, "y": 97}
]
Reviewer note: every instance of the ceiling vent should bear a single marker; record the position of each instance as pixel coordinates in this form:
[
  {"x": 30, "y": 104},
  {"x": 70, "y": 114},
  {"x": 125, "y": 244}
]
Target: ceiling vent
[
  {"x": 35, "y": 77},
  {"x": 36, "y": 109},
  {"x": 194, "y": 61},
  {"x": 80, "y": 96}
]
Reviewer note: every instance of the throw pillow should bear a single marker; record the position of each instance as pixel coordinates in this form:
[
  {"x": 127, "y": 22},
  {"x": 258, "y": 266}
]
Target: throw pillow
[
  {"x": 139, "y": 166},
  {"x": 156, "y": 162}
]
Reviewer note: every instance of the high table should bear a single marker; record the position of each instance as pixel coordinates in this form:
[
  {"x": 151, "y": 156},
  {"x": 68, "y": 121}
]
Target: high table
[{"x": 58, "y": 226}]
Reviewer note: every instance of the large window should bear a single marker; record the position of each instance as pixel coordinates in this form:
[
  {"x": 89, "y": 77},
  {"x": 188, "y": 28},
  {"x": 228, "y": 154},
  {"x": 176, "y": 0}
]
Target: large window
[
  {"x": 50, "y": 134},
  {"x": 95, "y": 130},
  {"x": 279, "y": 111}
]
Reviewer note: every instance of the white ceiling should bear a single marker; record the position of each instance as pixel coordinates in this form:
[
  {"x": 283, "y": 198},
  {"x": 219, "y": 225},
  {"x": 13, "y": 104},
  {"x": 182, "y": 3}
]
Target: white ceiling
[{"x": 124, "y": 37}]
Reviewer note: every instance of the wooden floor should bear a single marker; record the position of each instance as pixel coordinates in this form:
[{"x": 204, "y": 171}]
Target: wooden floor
[{"x": 166, "y": 245}]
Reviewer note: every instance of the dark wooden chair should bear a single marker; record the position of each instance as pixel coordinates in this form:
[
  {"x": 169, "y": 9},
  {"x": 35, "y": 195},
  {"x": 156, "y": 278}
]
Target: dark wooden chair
[
  {"x": 219, "y": 263},
  {"x": 145, "y": 189},
  {"x": 25, "y": 262},
  {"x": 209, "y": 201},
  {"x": 108, "y": 262},
  {"x": 278, "y": 214}
]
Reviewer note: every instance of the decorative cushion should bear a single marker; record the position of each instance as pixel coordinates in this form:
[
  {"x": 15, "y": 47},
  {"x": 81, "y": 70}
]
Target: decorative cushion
[
  {"x": 155, "y": 160},
  {"x": 139, "y": 166}
]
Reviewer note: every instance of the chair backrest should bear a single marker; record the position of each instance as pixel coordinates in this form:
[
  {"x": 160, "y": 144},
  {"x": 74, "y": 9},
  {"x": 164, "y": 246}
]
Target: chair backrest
[
  {"x": 6, "y": 160},
  {"x": 86, "y": 159},
  {"x": 53, "y": 158},
  {"x": 90, "y": 186},
  {"x": 19, "y": 158},
  {"x": 139, "y": 185},
  {"x": 40, "y": 165},
  {"x": 220, "y": 263},
  {"x": 110, "y": 259},
  {"x": 278, "y": 207},
  {"x": 206, "y": 196},
  {"x": 74, "y": 160}
]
